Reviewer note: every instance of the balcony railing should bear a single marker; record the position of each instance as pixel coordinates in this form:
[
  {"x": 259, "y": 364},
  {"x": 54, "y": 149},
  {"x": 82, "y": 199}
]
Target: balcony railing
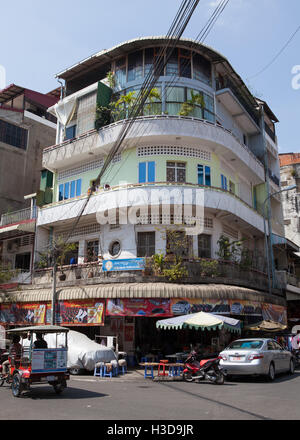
[
  {"x": 220, "y": 272},
  {"x": 18, "y": 216},
  {"x": 228, "y": 84}
]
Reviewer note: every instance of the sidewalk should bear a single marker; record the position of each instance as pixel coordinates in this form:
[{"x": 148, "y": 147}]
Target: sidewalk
[{"x": 132, "y": 375}]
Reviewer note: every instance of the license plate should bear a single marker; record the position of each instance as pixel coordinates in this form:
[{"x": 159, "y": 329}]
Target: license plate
[
  {"x": 51, "y": 378},
  {"x": 236, "y": 358}
]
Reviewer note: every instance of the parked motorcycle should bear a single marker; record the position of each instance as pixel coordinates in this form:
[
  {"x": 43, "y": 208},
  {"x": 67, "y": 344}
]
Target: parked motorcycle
[
  {"x": 296, "y": 356},
  {"x": 208, "y": 369}
]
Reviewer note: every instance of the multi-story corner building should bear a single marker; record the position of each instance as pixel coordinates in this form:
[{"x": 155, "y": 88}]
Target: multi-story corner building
[
  {"x": 25, "y": 129},
  {"x": 201, "y": 138}
]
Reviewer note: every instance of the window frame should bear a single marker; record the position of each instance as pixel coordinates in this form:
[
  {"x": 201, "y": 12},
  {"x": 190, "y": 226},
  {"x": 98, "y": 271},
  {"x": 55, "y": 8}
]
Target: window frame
[
  {"x": 206, "y": 177},
  {"x": 147, "y": 246},
  {"x": 176, "y": 168},
  {"x": 68, "y": 186}
]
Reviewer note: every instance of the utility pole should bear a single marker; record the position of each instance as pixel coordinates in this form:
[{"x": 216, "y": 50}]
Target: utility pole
[{"x": 53, "y": 311}]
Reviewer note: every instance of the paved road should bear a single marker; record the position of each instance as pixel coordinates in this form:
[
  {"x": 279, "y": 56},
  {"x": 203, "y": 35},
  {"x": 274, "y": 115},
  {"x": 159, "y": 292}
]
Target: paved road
[{"x": 131, "y": 397}]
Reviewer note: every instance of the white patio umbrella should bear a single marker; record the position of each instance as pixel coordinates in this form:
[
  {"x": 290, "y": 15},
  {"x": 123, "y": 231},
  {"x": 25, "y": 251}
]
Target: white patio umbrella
[{"x": 200, "y": 321}]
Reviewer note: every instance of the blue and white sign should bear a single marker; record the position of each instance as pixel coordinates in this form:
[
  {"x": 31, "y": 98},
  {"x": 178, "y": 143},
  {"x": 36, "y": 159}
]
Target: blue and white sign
[{"x": 126, "y": 264}]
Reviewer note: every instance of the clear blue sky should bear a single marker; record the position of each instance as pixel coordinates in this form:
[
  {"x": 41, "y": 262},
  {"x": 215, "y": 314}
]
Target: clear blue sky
[{"x": 39, "y": 39}]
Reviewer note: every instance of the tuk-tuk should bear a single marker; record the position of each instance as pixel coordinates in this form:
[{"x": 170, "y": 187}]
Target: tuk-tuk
[{"x": 38, "y": 365}]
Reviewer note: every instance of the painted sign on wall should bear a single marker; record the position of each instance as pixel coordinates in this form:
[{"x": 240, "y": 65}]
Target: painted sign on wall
[
  {"x": 125, "y": 264},
  {"x": 138, "y": 307}
]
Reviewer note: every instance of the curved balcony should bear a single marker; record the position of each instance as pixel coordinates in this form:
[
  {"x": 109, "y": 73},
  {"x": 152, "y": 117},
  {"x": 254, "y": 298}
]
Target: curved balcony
[
  {"x": 157, "y": 130},
  {"x": 220, "y": 202}
]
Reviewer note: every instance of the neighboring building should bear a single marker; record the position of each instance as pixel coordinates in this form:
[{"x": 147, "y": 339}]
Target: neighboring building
[
  {"x": 25, "y": 129},
  {"x": 290, "y": 175},
  {"x": 202, "y": 130}
]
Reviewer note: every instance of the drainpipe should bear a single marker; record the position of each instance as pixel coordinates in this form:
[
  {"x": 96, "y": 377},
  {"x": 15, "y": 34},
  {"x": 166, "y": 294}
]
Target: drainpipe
[{"x": 269, "y": 249}]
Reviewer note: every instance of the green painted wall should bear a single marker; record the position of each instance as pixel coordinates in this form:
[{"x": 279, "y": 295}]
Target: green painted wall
[{"x": 127, "y": 171}]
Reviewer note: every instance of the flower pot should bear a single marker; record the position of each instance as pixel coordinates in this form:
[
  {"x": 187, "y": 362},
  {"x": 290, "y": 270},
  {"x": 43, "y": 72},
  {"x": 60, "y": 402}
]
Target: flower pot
[{"x": 62, "y": 277}]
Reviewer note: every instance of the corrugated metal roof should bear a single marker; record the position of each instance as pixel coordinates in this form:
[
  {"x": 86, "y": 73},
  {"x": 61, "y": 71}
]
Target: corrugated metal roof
[{"x": 141, "y": 290}]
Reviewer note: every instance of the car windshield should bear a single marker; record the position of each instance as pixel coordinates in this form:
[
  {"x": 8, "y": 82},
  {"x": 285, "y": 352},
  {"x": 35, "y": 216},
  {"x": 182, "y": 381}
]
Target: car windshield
[{"x": 245, "y": 345}]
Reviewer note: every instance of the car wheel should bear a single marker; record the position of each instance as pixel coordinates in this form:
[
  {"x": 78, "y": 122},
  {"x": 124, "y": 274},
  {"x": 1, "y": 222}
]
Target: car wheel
[
  {"x": 292, "y": 367},
  {"x": 16, "y": 386},
  {"x": 220, "y": 379},
  {"x": 271, "y": 374},
  {"x": 59, "y": 387},
  {"x": 76, "y": 371}
]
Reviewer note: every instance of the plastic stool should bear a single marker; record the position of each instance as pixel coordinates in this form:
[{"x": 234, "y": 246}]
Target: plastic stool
[
  {"x": 122, "y": 366},
  {"x": 146, "y": 374},
  {"x": 162, "y": 363},
  {"x": 98, "y": 370},
  {"x": 106, "y": 373}
]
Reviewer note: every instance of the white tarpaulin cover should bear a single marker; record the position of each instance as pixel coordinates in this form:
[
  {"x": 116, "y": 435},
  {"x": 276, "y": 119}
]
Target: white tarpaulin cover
[{"x": 82, "y": 351}]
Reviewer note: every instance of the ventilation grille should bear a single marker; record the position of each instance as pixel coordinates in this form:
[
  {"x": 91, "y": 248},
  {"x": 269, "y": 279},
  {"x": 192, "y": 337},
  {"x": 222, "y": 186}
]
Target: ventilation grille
[
  {"x": 79, "y": 170},
  {"x": 171, "y": 219},
  {"x": 174, "y": 151},
  {"x": 83, "y": 230}
]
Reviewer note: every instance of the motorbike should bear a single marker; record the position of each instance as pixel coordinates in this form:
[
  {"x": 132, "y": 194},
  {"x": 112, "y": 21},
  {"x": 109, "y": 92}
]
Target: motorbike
[
  {"x": 296, "y": 356},
  {"x": 209, "y": 369}
]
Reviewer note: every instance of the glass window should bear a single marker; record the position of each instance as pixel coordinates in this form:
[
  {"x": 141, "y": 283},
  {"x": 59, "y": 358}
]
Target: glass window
[
  {"x": 245, "y": 345},
  {"x": 204, "y": 246},
  {"x": 70, "y": 132},
  {"x": 13, "y": 135},
  {"x": 149, "y": 57},
  {"x": 185, "y": 66},
  {"x": 92, "y": 250},
  {"x": 135, "y": 66},
  {"x": 145, "y": 244},
  {"x": 204, "y": 175},
  {"x": 61, "y": 192},
  {"x": 69, "y": 190},
  {"x": 120, "y": 73},
  {"x": 172, "y": 67},
  {"x": 146, "y": 172},
  {"x": 66, "y": 190},
  {"x": 201, "y": 69},
  {"x": 223, "y": 182},
  {"x": 174, "y": 94},
  {"x": 115, "y": 248},
  {"x": 176, "y": 172}
]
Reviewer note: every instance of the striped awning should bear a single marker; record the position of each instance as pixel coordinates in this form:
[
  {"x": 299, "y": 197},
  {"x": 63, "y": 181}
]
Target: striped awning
[{"x": 140, "y": 290}]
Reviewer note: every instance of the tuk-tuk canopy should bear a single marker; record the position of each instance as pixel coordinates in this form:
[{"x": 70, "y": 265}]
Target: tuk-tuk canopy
[{"x": 39, "y": 329}]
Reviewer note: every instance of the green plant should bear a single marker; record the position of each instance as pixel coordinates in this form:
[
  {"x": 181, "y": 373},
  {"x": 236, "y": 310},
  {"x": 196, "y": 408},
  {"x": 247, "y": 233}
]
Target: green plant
[
  {"x": 209, "y": 268},
  {"x": 230, "y": 251},
  {"x": 6, "y": 272},
  {"x": 103, "y": 116},
  {"x": 176, "y": 271},
  {"x": 158, "y": 263},
  {"x": 188, "y": 106},
  {"x": 111, "y": 79}
]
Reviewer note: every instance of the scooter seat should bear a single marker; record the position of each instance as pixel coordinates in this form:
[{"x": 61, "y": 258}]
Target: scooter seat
[{"x": 203, "y": 362}]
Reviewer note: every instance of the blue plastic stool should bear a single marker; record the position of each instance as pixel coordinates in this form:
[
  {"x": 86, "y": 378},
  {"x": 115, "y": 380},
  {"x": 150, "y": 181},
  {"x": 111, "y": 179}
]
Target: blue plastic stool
[
  {"x": 123, "y": 369},
  {"x": 98, "y": 371},
  {"x": 106, "y": 373},
  {"x": 151, "y": 374}
]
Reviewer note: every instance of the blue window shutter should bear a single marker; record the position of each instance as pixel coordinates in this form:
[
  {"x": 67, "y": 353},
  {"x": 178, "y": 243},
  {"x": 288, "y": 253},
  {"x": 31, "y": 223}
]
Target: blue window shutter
[
  {"x": 61, "y": 192},
  {"x": 151, "y": 172},
  {"x": 200, "y": 175},
  {"x": 78, "y": 187},
  {"x": 67, "y": 188},
  {"x": 70, "y": 132},
  {"x": 142, "y": 172},
  {"x": 207, "y": 176},
  {"x": 72, "y": 191}
]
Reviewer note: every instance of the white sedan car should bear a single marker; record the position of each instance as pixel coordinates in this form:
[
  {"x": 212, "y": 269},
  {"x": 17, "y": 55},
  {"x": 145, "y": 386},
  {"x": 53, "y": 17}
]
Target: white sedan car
[{"x": 258, "y": 356}]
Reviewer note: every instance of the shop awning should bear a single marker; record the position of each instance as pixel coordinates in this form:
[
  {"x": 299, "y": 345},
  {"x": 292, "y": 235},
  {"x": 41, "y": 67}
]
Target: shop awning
[
  {"x": 200, "y": 321},
  {"x": 141, "y": 290}
]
